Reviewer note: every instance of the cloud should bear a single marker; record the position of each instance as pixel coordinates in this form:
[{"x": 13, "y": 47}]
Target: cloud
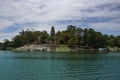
[
  {"x": 5, "y": 24},
  {"x": 42, "y": 14},
  {"x": 8, "y": 36}
]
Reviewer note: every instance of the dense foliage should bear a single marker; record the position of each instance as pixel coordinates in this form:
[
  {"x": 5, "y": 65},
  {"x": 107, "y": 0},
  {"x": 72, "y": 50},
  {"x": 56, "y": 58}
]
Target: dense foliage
[{"x": 72, "y": 36}]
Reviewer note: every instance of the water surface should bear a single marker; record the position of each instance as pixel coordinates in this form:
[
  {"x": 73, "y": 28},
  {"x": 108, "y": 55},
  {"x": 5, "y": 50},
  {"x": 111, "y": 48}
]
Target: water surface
[{"x": 59, "y": 66}]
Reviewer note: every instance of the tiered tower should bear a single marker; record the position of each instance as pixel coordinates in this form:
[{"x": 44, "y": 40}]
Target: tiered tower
[{"x": 52, "y": 39}]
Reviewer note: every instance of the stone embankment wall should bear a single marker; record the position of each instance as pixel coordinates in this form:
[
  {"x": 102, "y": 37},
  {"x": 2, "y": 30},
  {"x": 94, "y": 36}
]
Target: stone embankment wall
[{"x": 34, "y": 47}]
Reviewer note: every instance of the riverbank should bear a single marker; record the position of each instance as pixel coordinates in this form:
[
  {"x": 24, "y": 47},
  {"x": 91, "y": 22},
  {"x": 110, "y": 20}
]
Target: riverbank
[
  {"x": 42, "y": 47},
  {"x": 46, "y": 47}
]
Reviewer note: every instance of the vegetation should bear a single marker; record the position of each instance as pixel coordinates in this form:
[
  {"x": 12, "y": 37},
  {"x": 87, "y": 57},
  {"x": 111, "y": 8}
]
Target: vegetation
[{"x": 73, "y": 37}]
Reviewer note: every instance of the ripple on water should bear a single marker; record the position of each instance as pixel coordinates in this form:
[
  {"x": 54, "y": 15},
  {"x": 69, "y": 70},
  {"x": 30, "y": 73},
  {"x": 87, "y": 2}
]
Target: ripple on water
[{"x": 59, "y": 66}]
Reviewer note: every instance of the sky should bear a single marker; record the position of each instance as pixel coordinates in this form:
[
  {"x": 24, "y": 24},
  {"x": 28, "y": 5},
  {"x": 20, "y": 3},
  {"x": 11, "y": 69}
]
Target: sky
[{"x": 101, "y": 15}]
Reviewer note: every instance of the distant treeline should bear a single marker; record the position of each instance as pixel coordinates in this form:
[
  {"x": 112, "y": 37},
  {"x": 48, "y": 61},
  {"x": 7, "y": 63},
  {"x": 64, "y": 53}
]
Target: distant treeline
[{"x": 72, "y": 36}]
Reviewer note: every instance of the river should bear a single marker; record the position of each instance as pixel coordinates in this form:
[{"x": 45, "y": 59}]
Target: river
[{"x": 59, "y": 65}]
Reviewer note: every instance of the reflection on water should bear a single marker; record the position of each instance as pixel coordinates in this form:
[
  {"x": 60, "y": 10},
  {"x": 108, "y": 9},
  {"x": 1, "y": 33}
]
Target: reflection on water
[{"x": 59, "y": 66}]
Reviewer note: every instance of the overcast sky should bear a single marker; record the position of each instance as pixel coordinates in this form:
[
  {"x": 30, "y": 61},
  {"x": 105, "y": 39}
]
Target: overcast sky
[{"x": 101, "y": 15}]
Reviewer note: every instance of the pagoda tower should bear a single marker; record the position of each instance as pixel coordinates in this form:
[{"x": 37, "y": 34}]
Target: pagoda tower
[{"x": 52, "y": 39}]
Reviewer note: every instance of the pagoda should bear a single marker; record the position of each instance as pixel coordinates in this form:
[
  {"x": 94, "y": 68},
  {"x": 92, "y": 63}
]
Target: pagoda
[{"x": 52, "y": 39}]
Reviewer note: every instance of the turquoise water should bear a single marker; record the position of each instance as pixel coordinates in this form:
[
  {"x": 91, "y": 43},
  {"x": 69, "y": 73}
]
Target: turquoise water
[{"x": 59, "y": 66}]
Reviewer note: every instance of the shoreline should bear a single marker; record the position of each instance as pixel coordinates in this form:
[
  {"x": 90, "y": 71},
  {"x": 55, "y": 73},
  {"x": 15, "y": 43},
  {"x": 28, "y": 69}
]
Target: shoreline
[{"x": 60, "y": 48}]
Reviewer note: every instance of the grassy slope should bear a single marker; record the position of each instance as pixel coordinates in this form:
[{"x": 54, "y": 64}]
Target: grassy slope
[{"x": 63, "y": 48}]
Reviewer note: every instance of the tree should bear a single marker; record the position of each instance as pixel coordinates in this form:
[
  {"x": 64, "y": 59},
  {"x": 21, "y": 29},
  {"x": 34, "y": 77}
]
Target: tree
[
  {"x": 7, "y": 44},
  {"x": 72, "y": 36},
  {"x": 71, "y": 28},
  {"x": 72, "y": 42}
]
